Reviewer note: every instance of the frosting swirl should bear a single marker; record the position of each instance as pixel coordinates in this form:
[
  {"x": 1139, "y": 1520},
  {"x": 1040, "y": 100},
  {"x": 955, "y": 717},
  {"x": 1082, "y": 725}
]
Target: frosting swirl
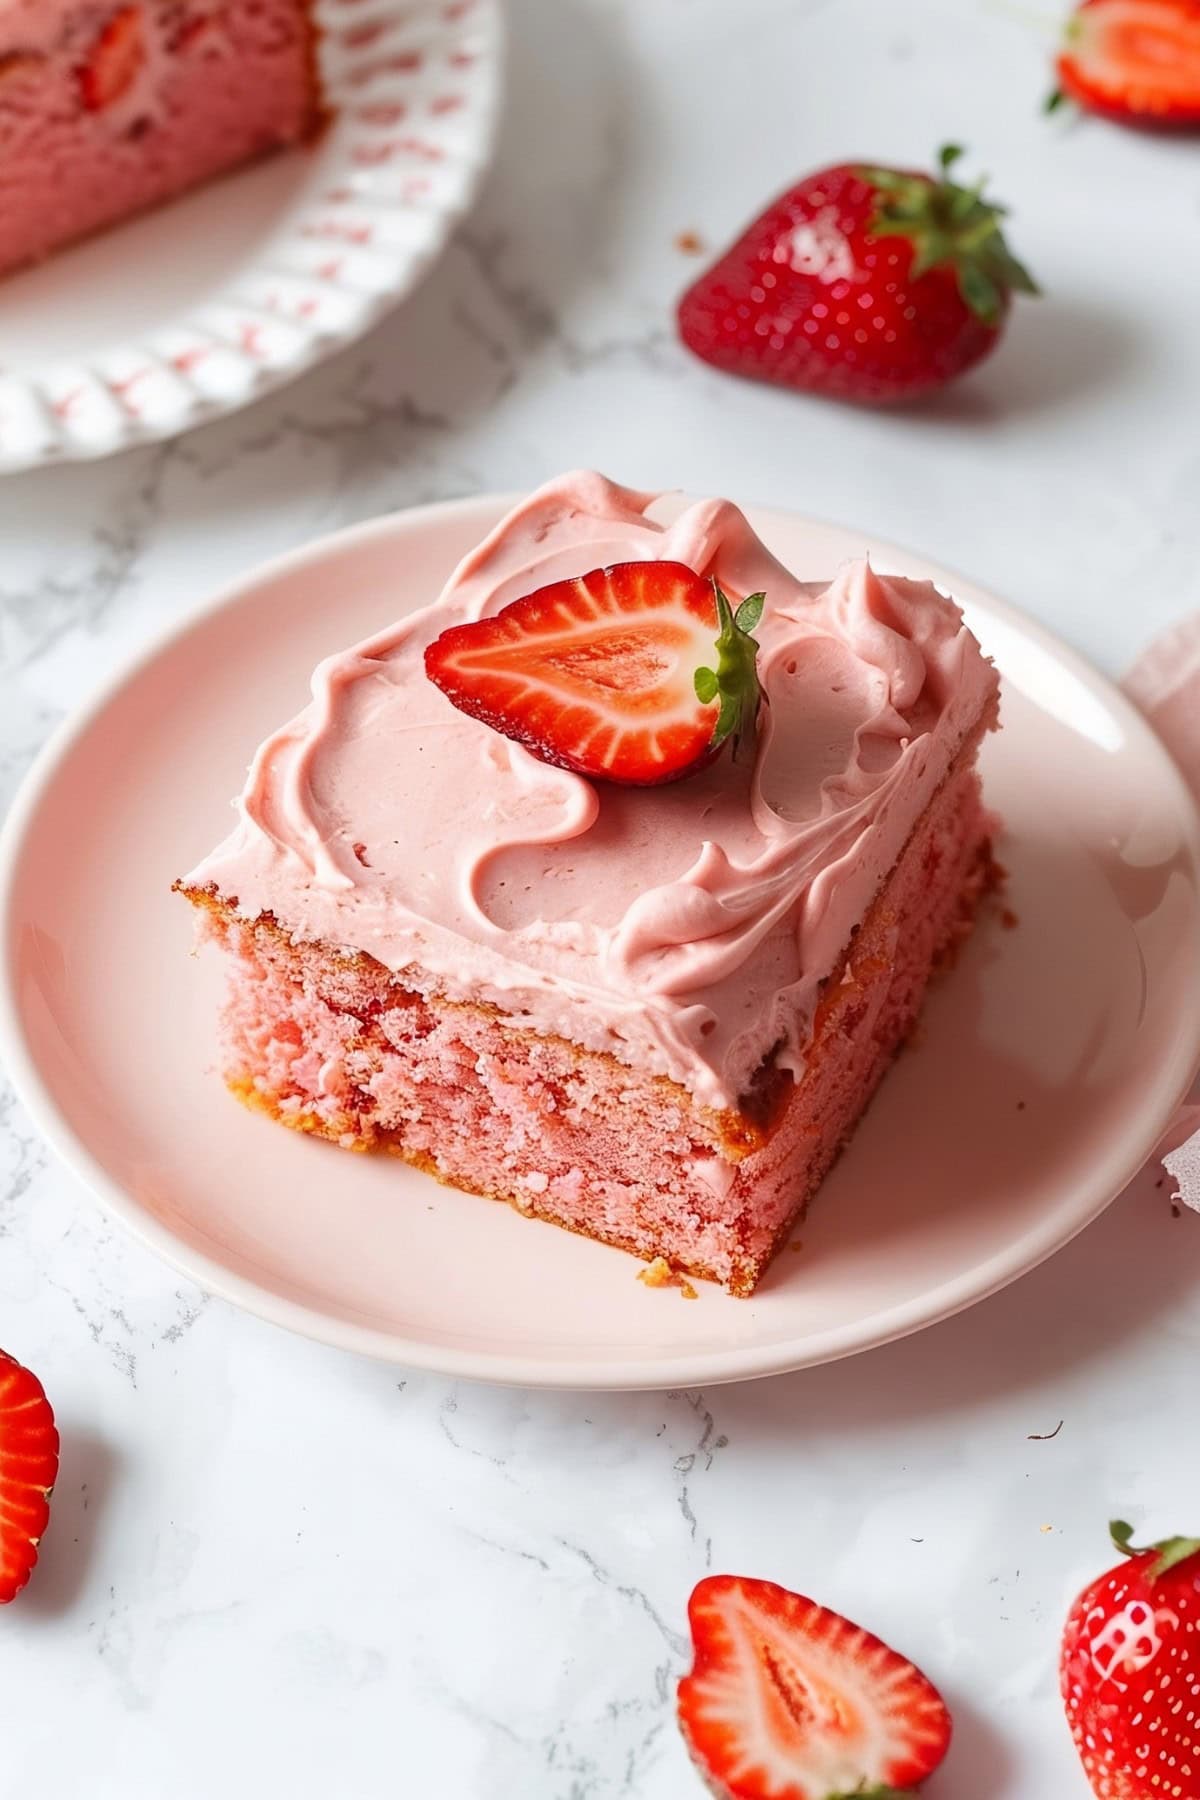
[{"x": 685, "y": 928}]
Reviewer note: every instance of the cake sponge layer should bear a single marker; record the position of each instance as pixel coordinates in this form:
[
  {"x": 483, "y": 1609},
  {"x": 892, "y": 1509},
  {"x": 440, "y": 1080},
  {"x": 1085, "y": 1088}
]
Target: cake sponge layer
[
  {"x": 337, "y": 1046},
  {"x": 204, "y": 89}
]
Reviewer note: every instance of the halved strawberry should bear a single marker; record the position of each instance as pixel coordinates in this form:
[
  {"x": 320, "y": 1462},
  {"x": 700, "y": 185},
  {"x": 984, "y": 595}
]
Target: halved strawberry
[
  {"x": 28, "y": 1468},
  {"x": 1136, "y": 61},
  {"x": 115, "y": 60},
  {"x": 612, "y": 673},
  {"x": 789, "y": 1701}
]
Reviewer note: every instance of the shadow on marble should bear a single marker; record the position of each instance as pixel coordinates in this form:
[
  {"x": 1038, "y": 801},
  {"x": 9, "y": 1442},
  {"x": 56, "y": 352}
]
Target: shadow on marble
[
  {"x": 980, "y": 1762},
  {"x": 1112, "y": 1283},
  {"x": 89, "y": 1470},
  {"x": 1057, "y": 354}
]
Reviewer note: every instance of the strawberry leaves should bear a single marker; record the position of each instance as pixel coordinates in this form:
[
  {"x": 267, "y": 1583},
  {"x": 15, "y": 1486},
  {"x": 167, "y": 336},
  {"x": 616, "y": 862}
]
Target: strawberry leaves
[
  {"x": 734, "y": 681},
  {"x": 1171, "y": 1551},
  {"x": 954, "y": 226},
  {"x": 878, "y": 1793}
]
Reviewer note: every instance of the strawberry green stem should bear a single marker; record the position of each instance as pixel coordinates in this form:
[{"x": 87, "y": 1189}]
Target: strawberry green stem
[
  {"x": 734, "y": 681},
  {"x": 1171, "y": 1551},
  {"x": 954, "y": 227},
  {"x": 878, "y": 1793}
]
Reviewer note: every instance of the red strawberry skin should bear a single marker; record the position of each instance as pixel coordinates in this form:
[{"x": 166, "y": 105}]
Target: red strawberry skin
[
  {"x": 114, "y": 61},
  {"x": 1130, "y": 1676},
  {"x": 787, "y": 1700},
  {"x": 28, "y": 1470},
  {"x": 1135, "y": 61},
  {"x": 818, "y": 295},
  {"x": 598, "y": 673}
]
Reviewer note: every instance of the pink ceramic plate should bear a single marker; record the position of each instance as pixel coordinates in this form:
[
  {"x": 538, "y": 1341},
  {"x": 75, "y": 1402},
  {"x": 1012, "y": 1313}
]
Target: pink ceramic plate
[{"x": 1047, "y": 1068}]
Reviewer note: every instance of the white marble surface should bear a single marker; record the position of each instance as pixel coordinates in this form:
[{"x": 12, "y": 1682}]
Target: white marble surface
[{"x": 275, "y": 1570}]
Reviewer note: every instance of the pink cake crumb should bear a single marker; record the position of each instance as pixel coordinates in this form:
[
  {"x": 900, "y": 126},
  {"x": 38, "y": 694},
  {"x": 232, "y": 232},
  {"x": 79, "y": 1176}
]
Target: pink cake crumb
[{"x": 660, "y": 1274}]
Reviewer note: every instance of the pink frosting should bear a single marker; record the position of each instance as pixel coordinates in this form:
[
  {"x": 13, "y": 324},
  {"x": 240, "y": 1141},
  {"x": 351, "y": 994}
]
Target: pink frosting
[{"x": 685, "y": 928}]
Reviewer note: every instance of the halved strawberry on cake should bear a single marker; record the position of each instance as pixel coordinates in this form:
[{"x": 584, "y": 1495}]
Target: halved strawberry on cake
[
  {"x": 107, "y": 109},
  {"x": 610, "y": 883}
]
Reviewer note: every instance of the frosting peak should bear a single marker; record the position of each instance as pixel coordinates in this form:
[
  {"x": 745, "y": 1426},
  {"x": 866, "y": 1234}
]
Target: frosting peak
[{"x": 686, "y": 928}]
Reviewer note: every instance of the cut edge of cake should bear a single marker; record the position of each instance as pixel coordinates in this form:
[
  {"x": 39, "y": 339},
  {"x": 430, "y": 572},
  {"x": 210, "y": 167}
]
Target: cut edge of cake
[
  {"x": 372, "y": 1063},
  {"x": 153, "y": 130}
]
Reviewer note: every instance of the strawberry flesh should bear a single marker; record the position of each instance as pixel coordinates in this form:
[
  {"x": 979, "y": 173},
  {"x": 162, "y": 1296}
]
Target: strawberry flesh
[
  {"x": 1130, "y": 1672},
  {"x": 28, "y": 1470},
  {"x": 115, "y": 60},
  {"x": 20, "y": 65},
  {"x": 787, "y": 1700},
  {"x": 635, "y": 674},
  {"x": 866, "y": 284},
  {"x": 1135, "y": 61}
]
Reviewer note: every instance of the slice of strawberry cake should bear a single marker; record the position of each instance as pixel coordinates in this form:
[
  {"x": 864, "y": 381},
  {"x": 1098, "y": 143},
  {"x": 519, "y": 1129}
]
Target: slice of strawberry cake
[
  {"x": 108, "y": 109},
  {"x": 609, "y": 883}
]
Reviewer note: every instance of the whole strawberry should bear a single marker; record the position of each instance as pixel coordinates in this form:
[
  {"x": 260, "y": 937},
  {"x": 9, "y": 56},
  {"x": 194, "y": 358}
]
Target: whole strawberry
[
  {"x": 874, "y": 285},
  {"x": 1135, "y": 61},
  {"x": 28, "y": 1467},
  {"x": 1130, "y": 1672}
]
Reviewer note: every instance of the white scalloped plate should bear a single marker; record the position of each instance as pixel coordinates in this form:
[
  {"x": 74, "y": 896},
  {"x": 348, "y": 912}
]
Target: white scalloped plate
[{"x": 243, "y": 285}]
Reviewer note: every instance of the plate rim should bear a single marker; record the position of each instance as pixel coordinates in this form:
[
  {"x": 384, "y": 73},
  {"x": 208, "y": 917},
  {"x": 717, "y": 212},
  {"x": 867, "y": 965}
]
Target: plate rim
[
  {"x": 268, "y": 378},
  {"x": 687, "y": 1368}
]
